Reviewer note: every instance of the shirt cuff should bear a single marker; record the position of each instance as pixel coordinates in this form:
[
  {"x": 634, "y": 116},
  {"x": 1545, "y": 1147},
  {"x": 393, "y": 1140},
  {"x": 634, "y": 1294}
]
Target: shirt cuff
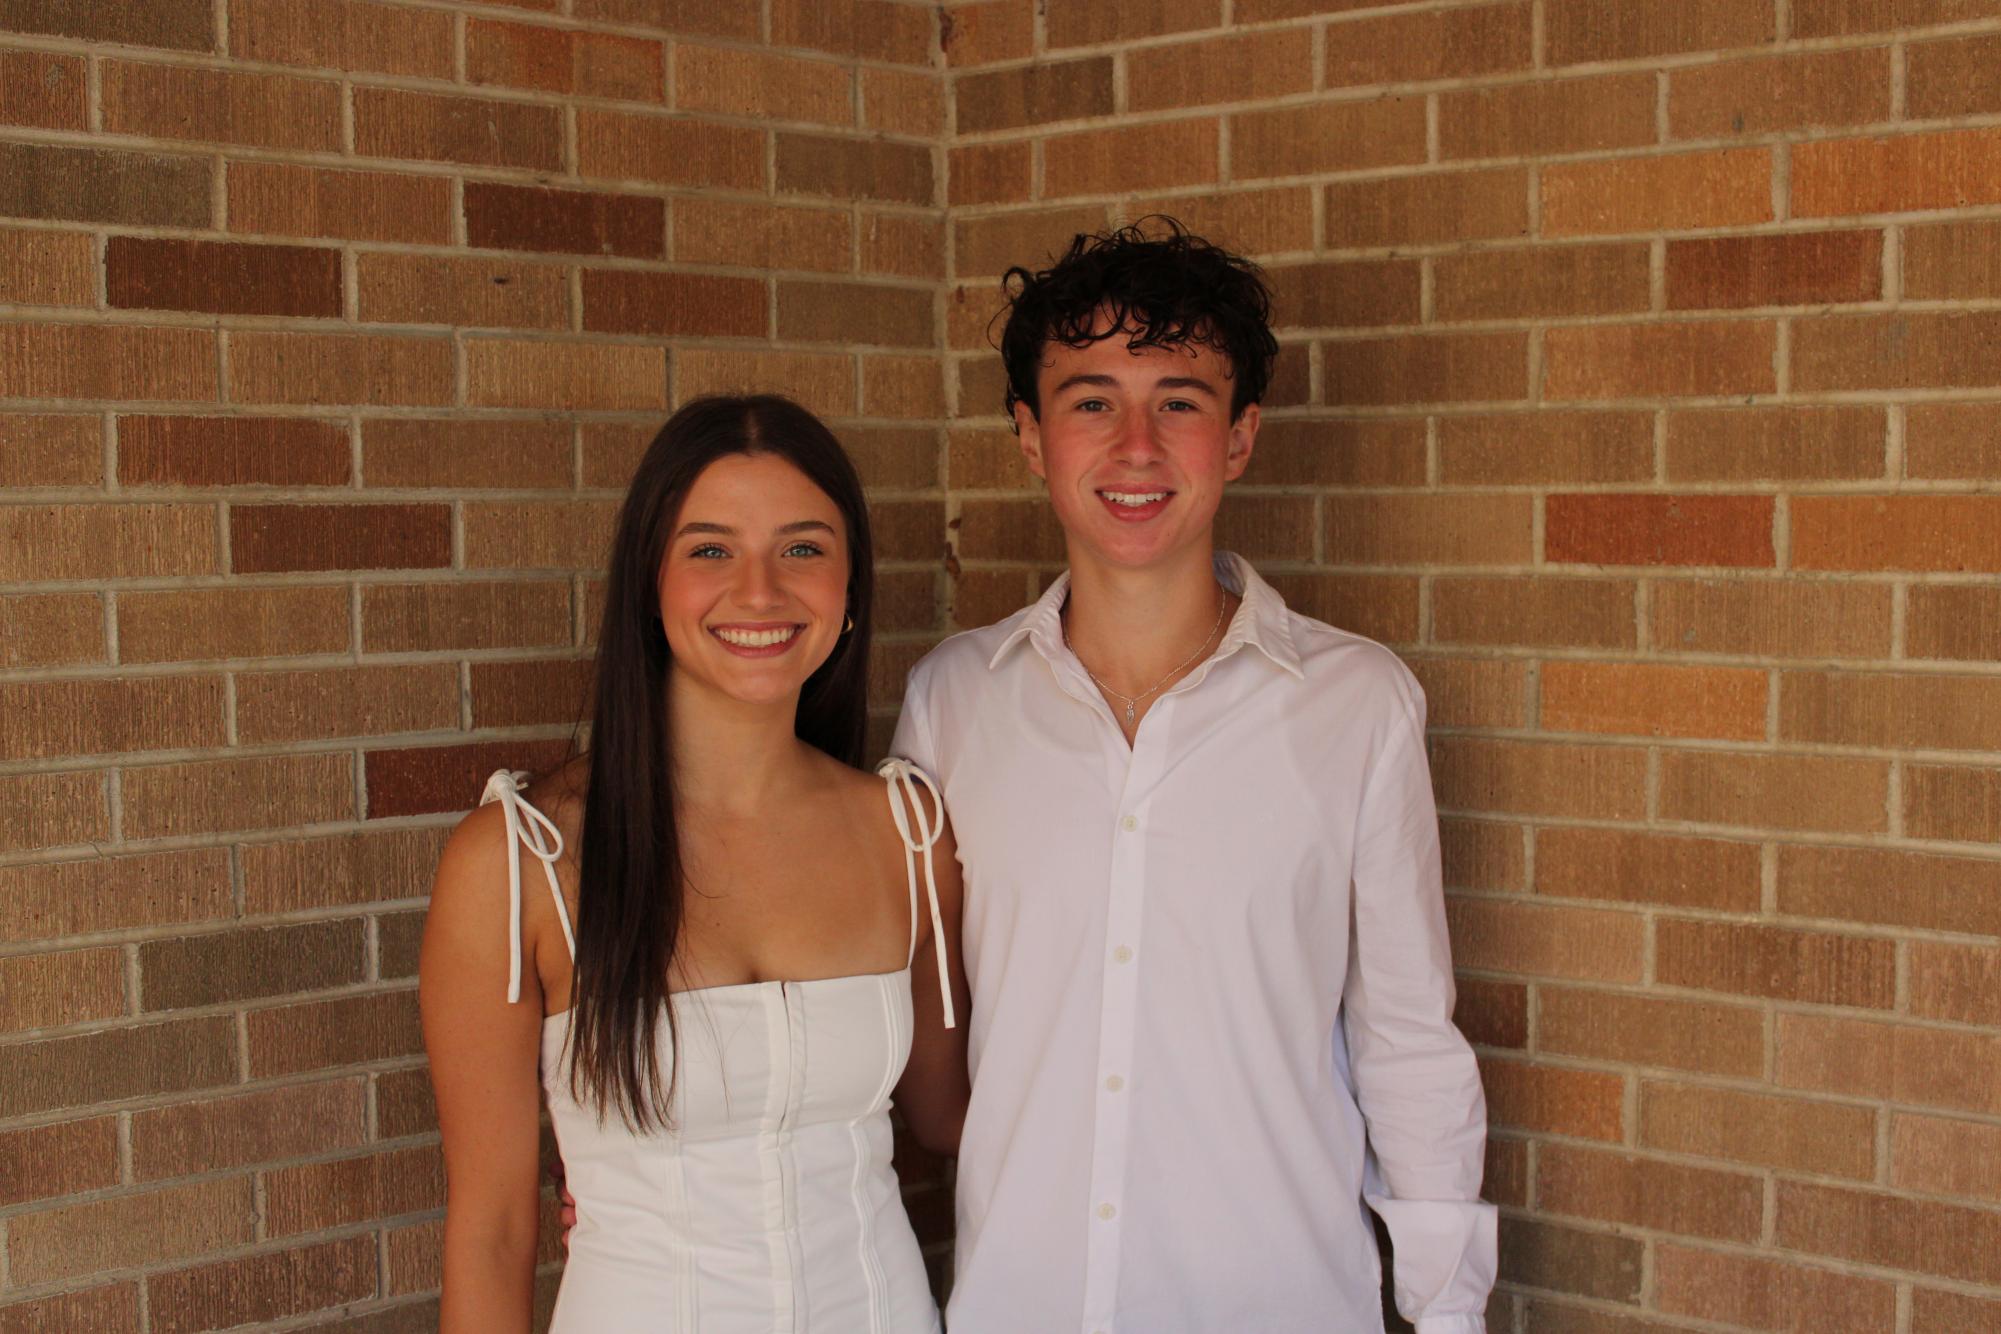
[{"x": 1452, "y": 1324}]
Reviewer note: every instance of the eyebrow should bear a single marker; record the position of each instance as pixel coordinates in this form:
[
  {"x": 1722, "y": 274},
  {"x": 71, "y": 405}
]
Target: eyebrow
[
  {"x": 798, "y": 526},
  {"x": 1164, "y": 382}
]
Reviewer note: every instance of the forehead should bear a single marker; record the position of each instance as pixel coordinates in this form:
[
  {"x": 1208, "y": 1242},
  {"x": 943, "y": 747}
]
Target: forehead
[
  {"x": 1116, "y": 357},
  {"x": 756, "y": 490}
]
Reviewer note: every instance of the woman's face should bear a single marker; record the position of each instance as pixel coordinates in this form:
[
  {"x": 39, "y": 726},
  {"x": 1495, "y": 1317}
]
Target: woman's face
[{"x": 754, "y": 584}]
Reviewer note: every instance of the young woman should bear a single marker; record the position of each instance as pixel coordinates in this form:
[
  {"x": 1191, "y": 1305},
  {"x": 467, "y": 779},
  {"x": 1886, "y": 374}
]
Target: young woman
[{"x": 733, "y": 965}]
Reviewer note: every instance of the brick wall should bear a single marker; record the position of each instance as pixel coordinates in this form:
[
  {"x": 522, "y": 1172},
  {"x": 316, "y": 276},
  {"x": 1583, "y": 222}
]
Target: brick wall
[
  {"x": 329, "y": 334},
  {"x": 1640, "y": 386}
]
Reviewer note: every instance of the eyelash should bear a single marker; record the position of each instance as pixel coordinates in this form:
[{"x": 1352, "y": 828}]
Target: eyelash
[
  {"x": 1171, "y": 403},
  {"x": 702, "y": 552}
]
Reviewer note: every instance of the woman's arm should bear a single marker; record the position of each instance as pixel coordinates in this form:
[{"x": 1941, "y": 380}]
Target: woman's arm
[
  {"x": 484, "y": 1054},
  {"x": 934, "y": 1090}
]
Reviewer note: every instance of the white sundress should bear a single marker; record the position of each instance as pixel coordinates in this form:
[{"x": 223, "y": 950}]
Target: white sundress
[{"x": 770, "y": 1205}]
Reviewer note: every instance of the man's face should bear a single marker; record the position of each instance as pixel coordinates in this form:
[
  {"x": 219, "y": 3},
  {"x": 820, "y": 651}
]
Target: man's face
[{"x": 1135, "y": 447}]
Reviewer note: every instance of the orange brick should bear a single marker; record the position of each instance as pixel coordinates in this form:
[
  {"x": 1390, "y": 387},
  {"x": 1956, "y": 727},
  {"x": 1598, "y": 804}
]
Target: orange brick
[
  {"x": 47, "y": 268},
  {"x": 1438, "y": 368},
  {"x": 1418, "y": 48},
  {"x": 1647, "y": 868},
  {"x": 1831, "y": 1139},
  {"x": 1789, "y": 618},
  {"x": 1541, "y": 281},
  {"x": 221, "y": 106},
  {"x": 476, "y": 131},
  {"x": 716, "y": 231},
  {"x": 1943, "y": 350},
  {"x": 1769, "y": 1294},
  {"x": 1183, "y": 75},
  {"x": 1774, "y": 791},
  {"x": 1948, "y": 169},
  {"x": 1877, "y": 709},
  {"x": 49, "y": 542},
  {"x": 292, "y": 1039},
  {"x": 1812, "y": 90},
  {"x": 1576, "y": 613},
  {"x": 822, "y": 381},
  {"x": 632, "y": 69},
  {"x": 126, "y": 1230},
  {"x": 1646, "y": 1031},
  {"x": 1960, "y": 983},
  {"x": 51, "y": 630},
  {"x": 472, "y": 293},
  {"x": 321, "y": 369},
  {"x": 566, "y": 375},
  {"x": 871, "y": 29},
  {"x": 1952, "y": 440},
  {"x": 273, "y": 538},
  {"x": 1145, "y": 157},
  {"x": 266, "y": 793},
  {"x": 1580, "y": 30},
  {"x": 1956, "y": 533},
  {"x": 62, "y": 1159},
  {"x": 1950, "y": 803},
  {"x": 115, "y": 1306},
  {"x": 71, "y": 898},
  {"x": 53, "y": 719},
  {"x": 192, "y": 1137},
  {"x": 685, "y": 16},
  {"x": 1766, "y": 443},
  {"x": 1441, "y": 529},
  {"x": 346, "y": 34},
  {"x": 1923, "y": 1236},
  {"x": 352, "y": 1190},
  {"x": 903, "y": 101},
  {"x": 1544, "y": 116},
  {"x": 1952, "y": 78},
  {"x": 1730, "y": 187},
  {"x": 262, "y": 1287},
  {"x": 346, "y": 869},
  {"x": 1539, "y": 778},
  {"x": 1806, "y": 268},
  {"x": 1587, "y": 1104},
  {"x": 673, "y": 304},
  {"x": 739, "y": 82},
  {"x": 106, "y": 361},
  {"x": 1935, "y": 1312},
  {"x": 1954, "y": 621},
  {"x": 1957, "y": 1158},
  {"x": 1928, "y": 1067},
  {"x": 232, "y": 451},
  {"x": 286, "y": 200},
  {"x": 55, "y": 990},
  {"x": 1814, "y": 967},
  {"x": 521, "y": 55},
  {"x": 428, "y": 780},
  {"x": 1847, "y": 18},
  {"x": 1429, "y": 207},
  {"x": 1501, "y": 935},
  {"x": 1082, "y": 22},
  {"x": 1658, "y": 530},
  {"x": 1708, "y": 358},
  {"x": 1510, "y": 449},
  {"x": 983, "y": 34},
  {"x": 1642, "y": 699},
  {"x": 1921, "y": 890},
  {"x": 1646, "y": 1192},
  {"x": 50, "y": 449},
  {"x": 1327, "y": 136}
]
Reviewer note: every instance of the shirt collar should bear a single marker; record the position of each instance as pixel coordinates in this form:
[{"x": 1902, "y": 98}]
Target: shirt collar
[{"x": 1260, "y": 623}]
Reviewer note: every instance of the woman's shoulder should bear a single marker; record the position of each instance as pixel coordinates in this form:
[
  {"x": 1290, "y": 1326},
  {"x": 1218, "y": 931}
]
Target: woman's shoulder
[{"x": 479, "y": 844}]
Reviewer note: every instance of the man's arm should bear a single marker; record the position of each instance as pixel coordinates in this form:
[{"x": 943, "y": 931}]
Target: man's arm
[{"x": 1415, "y": 1077}]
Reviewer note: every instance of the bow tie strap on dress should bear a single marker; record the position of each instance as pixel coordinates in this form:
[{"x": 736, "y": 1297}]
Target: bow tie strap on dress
[
  {"x": 905, "y": 805},
  {"x": 529, "y": 828}
]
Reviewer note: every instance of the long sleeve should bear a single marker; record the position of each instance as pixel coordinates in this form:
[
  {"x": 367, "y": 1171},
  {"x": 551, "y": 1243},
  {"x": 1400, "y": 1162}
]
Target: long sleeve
[{"x": 1415, "y": 1077}]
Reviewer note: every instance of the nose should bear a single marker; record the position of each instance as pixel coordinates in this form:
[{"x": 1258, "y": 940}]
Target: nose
[
  {"x": 757, "y": 584},
  {"x": 1137, "y": 442}
]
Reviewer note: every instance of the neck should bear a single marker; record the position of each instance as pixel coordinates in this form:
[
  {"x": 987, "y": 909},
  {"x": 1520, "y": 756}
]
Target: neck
[
  {"x": 731, "y": 757},
  {"x": 1131, "y": 626}
]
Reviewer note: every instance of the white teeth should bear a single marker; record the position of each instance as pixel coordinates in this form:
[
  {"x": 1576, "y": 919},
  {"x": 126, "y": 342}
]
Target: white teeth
[
  {"x": 1133, "y": 499},
  {"x": 755, "y": 638}
]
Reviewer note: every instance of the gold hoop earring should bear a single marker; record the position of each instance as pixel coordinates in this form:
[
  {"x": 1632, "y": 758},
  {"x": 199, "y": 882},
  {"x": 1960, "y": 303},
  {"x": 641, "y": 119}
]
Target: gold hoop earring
[{"x": 848, "y": 624}]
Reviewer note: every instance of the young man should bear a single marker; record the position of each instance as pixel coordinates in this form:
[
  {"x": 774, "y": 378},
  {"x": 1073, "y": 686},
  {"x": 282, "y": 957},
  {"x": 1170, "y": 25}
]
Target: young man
[{"x": 1212, "y": 994}]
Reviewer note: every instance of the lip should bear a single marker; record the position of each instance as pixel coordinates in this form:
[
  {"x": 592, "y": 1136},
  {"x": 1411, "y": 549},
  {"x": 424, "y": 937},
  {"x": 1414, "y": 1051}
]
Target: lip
[
  {"x": 776, "y": 650},
  {"x": 1134, "y": 513}
]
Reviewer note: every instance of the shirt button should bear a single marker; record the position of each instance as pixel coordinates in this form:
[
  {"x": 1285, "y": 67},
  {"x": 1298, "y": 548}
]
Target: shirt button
[
  {"x": 1107, "y": 1212},
  {"x": 1114, "y": 1083},
  {"x": 1122, "y": 955},
  {"x": 1130, "y": 823}
]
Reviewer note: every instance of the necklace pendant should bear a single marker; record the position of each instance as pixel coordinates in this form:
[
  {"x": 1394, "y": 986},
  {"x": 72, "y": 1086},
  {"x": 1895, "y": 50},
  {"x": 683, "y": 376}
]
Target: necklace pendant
[{"x": 1129, "y": 712}]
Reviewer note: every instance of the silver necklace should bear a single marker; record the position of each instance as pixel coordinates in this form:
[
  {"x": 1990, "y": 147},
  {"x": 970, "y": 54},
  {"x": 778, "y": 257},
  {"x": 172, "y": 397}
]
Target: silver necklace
[{"x": 1132, "y": 701}]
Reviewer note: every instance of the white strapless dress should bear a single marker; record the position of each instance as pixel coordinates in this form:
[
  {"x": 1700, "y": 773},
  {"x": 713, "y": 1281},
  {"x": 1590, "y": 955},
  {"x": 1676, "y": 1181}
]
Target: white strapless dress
[{"x": 771, "y": 1205}]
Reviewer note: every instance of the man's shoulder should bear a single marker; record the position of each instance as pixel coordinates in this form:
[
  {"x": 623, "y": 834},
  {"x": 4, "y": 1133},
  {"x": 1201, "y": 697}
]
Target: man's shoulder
[
  {"x": 1362, "y": 669},
  {"x": 966, "y": 652}
]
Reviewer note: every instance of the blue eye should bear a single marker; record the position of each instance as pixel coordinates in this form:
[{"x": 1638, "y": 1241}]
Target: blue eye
[
  {"x": 804, "y": 549},
  {"x": 1181, "y": 405},
  {"x": 706, "y": 551}
]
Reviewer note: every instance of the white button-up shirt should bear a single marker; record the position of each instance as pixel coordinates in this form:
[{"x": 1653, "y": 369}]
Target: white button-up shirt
[{"x": 1165, "y": 943}]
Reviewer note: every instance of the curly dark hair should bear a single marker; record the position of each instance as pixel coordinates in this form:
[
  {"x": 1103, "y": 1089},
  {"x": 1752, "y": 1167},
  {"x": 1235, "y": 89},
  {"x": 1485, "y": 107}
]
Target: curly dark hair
[{"x": 1163, "y": 286}]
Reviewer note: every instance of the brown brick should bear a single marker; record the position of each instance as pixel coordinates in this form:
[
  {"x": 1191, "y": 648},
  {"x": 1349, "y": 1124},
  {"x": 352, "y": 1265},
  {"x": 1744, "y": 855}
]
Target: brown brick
[
  {"x": 39, "y": 542},
  {"x": 1546, "y": 281},
  {"x": 343, "y": 702},
  {"x": 1036, "y": 94},
  {"x": 1945, "y": 350},
  {"x": 1580, "y": 31},
  {"x": 1953, "y": 261},
  {"x": 1912, "y": 532},
  {"x": 51, "y": 630},
  {"x": 908, "y": 530},
  {"x": 685, "y": 16},
  {"x": 91, "y": 185},
  {"x": 1521, "y": 448},
  {"x": 1725, "y": 188},
  {"x": 399, "y": 618},
  {"x": 1428, "y": 530},
  {"x": 1568, "y": 613},
  {"x": 987, "y": 461},
  {"x": 1538, "y": 778},
  {"x": 106, "y": 361},
  {"x": 128, "y": 1230},
  {"x": 117, "y": 1063},
  {"x": 1768, "y": 443},
  {"x": 909, "y": 387},
  {"x": 1333, "y": 451},
  {"x": 611, "y": 453},
  {"x": 1561, "y": 116},
  {"x": 1646, "y": 699},
  {"x": 520, "y": 694},
  {"x": 673, "y": 304},
  {"x": 268, "y": 538},
  {"x": 346, "y": 869},
  {"x": 852, "y": 313},
  {"x": 62, "y": 1159},
  {"x": 1948, "y": 169},
  {"x": 51, "y": 449},
  {"x": 1418, "y": 48},
  {"x": 632, "y": 69},
  {"x": 1929, "y": 1067},
  {"x": 52, "y": 719},
  {"x": 1646, "y": 1031},
  {"x": 1935, "y": 1312},
  {"x": 267, "y": 793},
  {"x": 344, "y": 34},
  {"x": 1811, "y": 90},
  {"x": 480, "y": 292},
  {"x": 985, "y": 33},
  {"x": 1439, "y": 368},
  {"x": 262, "y": 1287},
  {"x": 55, "y": 990},
  {"x": 1492, "y": 1014},
  {"x": 315, "y": 1035},
  {"x": 991, "y": 244},
  {"x": 1804, "y": 268},
  {"x": 1879, "y": 709},
  {"x": 430, "y": 779},
  {"x": 1009, "y": 530},
  {"x": 760, "y": 236},
  {"x": 1832, "y": 1139},
  {"x": 1593, "y": 1264},
  {"x": 1770, "y": 617},
  {"x": 231, "y": 623},
  {"x": 907, "y": 600},
  {"x": 351, "y": 1190},
  {"x": 231, "y": 451},
  {"x": 521, "y": 55},
  {"x": 1944, "y": 802},
  {"x": 1813, "y": 967},
  {"x": 1327, "y": 136},
  {"x": 1345, "y": 293},
  {"x": 1382, "y": 607},
  {"x": 980, "y": 382},
  {"x": 1957, "y": 1158},
  {"x": 46, "y": 268},
  {"x": 324, "y": 369},
  {"x": 903, "y": 102},
  {"x": 221, "y": 106},
  {"x": 1083, "y": 23},
  {"x": 822, "y": 381},
  {"x": 1891, "y": 888},
  {"x": 997, "y": 173},
  {"x": 1633, "y": 867},
  {"x": 1924, "y": 1236},
  {"x": 286, "y": 200},
  {"x": 903, "y": 246},
  {"x": 1954, "y": 621},
  {"x": 621, "y": 146},
  {"x": 1952, "y": 78},
  {"x": 566, "y": 375},
  {"x": 110, "y": 894},
  {"x": 1659, "y": 530},
  {"x": 1428, "y": 207},
  {"x": 1768, "y": 1294},
  {"x": 1266, "y": 527},
  {"x": 1845, "y": 18},
  {"x": 180, "y": 25},
  {"x": 1587, "y": 1104},
  {"x": 218, "y": 1133},
  {"x": 456, "y": 453},
  {"x": 1708, "y": 359},
  {"x": 1502, "y": 935},
  {"x": 404, "y": 1103},
  {"x": 1961, "y": 441},
  {"x": 1147, "y": 157},
  {"x": 1267, "y": 221},
  {"x": 575, "y": 222},
  {"x": 115, "y": 1306},
  {"x": 1215, "y": 69},
  {"x": 871, "y": 29},
  {"x": 431, "y": 127},
  {"x": 739, "y": 82},
  {"x": 1960, "y": 983},
  {"x": 1483, "y": 855},
  {"x": 539, "y": 534},
  {"x": 1774, "y": 791},
  {"x": 1645, "y": 1192}
]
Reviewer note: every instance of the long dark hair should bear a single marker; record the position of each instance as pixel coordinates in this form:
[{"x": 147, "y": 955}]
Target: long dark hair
[{"x": 630, "y": 872}]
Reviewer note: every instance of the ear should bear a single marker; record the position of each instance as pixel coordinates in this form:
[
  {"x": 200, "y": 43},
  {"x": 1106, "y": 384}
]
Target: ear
[
  {"x": 1028, "y": 433},
  {"x": 1243, "y": 438}
]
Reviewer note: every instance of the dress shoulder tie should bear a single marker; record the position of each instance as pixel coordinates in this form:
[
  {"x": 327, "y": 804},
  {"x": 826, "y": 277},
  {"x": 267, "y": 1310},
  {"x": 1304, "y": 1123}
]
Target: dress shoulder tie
[
  {"x": 907, "y": 807},
  {"x": 529, "y": 828}
]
